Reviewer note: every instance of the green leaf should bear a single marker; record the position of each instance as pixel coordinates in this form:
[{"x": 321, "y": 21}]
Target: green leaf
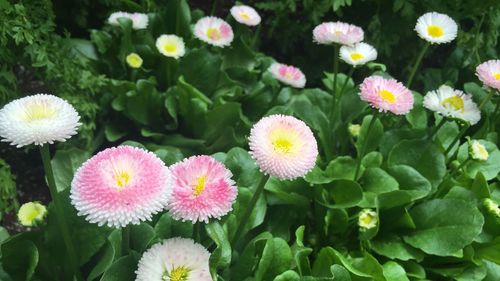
[
  {"x": 19, "y": 258},
  {"x": 342, "y": 167},
  {"x": 393, "y": 247},
  {"x": 243, "y": 167},
  {"x": 167, "y": 227},
  {"x": 4, "y": 234},
  {"x": 394, "y": 272},
  {"x": 107, "y": 255},
  {"x": 276, "y": 259},
  {"x": 417, "y": 117},
  {"x": 341, "y": 194},
  {"x": 371, "y": 141},
  {"x": 422, "y": 155},
  {"x": 340, "y": 273},
  {"x": 201, "y": 68},
  {"x": 288, "y": 192},
  {"x": 141, "y": 236},
  {"x": 121, "y": 270},
  {"x": 376, "y": 181},
  {"x": 288, "y": 275},
  {"x": 221, "y": 257},
  {"x": 410, "y": 181},
  {"x": 444, "y": 226},
  {"x": 64, "y": 165}
]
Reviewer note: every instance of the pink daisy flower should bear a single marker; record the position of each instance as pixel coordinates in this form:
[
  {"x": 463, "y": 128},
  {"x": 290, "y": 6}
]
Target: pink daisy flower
[
  {"x": 202, "y": 189},
  {"x": 489, "y": 73},
  {"x": 386, "y": 95},
  {"x": 283, "y": 146},
  {"x": 214, "y": 31},
  {"x": 246, "y": 15},
  {"x": 288, "y": 74},
  {"x": 337, "y": 32},
  {"x": 120, "y": 186}
]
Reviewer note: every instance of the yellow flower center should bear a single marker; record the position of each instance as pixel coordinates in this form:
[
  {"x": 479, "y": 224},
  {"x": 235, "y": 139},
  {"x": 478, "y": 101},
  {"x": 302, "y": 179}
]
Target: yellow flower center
[
  {"x": 213, "y": 33},
  {"x": 180, "y": 273},
  {"x": 497, "y": 76},
  {"x": 282, "y": 145},
  {"x": 366, "y": 219},
  {"x": 435, "y": 31},
  {"x": 356, "y": 56},
  {"x": 481, "y": 150},
  {"x": 37, "y": 111},
  {"x": 387, "y": 96},
  {"x": 122, "y": 179},
  {"x": 134, "y": 60},
  {"x": 199, "y": 186},
  {"x": 455, "y": 102},
  {"x": 170, "y": 47},
  {"x": 245, "y": 15}
]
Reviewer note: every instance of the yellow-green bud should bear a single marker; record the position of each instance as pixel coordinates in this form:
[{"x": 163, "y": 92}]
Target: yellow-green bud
[
  {"x": 354, "y": 130},
  {"x": 134, "y": 60},
  {"x": 367, "y": 219},
  {"x": 31, "y": 213}
]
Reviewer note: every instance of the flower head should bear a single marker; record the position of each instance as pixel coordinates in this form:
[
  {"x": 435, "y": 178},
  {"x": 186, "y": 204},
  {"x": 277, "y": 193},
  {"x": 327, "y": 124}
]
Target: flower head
[
  {"x": 134, "y": 60},
  {"x": 436, "y": 28},
  {"x": 214, "y": 31},
  {"x": 492, "y": 207},
  {"x": 288, "y": 74},
  {"x": 337, "y": 32},
  {"x": 31, "y": 213},
  {"x": 38, "y": 119},
  {"x": 202, "y": 189},
  {"x": 354, "y": 130},
  {"x": 489, "y": 73},
  {"x": 283, "y": 146},
  {"x": 452, "y": 103},
  {"x": 120, "y": 186},
  {"x": 175, "y": 259},
  {"x": 171, "y": 46},
  {"x": 386, "y": 95},
  {"x": 358, "y": 54},
  {"x": 477, "y": 151},
  {"x": 245, "y": 14},
  {"x": 139, "y": 20},
  {"x": 367, "y": 219}
]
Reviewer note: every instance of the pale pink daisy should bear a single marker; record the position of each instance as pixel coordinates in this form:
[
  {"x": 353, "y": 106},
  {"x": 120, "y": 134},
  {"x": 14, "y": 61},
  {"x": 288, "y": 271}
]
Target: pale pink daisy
[
  {"x": 283, "y": 146},
  {"x": 139, "y": 20},
  {"x": 175, "y": 259},
  {"x": 489, "y": 73},
  {"x": 245, "y": 14},
  {"x": 120, "y": 186},
  {"x": 288, "y": 74},
  {"x": 386, "y": 95},
  {"x": 214, "y": 31},
  {"x": 337, "y": 32},
  {"x": 202, "y": 189}
]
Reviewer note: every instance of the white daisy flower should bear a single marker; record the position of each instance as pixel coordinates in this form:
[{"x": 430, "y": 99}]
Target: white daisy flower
[
  {"x": 452, "y": 103},
  {"x": 171, "y": 46},
  {"x": 175, "y": 259},
  {"x": 358, "y": 54},
  {"x": 38, "y": 119},
  {"x": 477, "y": 151},
  {"x": 436, "y": 28},
  {"x": 139, "y": 20},
  {"x": 288, "y": 74},
  {"x": 245, "y": 15},
  {"x": 367, "y": 219},
  {"x": 214, "y": 31}
]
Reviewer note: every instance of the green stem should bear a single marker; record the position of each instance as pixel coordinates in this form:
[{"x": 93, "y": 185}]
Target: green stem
[
  {"x": 335, "y": 68},
  {"x": 63, "y": 227},
  {"x": 256, "y": 36},
  {"x": 250, "y": 207},
  {"x": 167, "y": 71},
  {"x": 490, "y": 94},
  {"x": 125, "y": 241},
  {"x": 363, "y": 147},
  {"x": 456, "y": 139},
  {"x": 214, "y": 7},
  {"x": 349, "y": 76},
  {"x": 177, "y": 18},
  {"x": 436, "y": 129},
  {"x": 417, "y": 64},
  {"x": 440, "y": 189}
]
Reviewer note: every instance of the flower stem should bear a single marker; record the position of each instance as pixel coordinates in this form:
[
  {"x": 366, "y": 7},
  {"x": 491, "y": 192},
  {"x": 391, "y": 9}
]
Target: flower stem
[
  {"x": 335, "y": 68},
  {"x": 167, "y": 72},
  {"x": 214, "y": 7},
  {"x": 436, "y": 129},
  {"x": 363, "y": 147},
  {"x": 125, "y": 240},
  {"x": 349, "y": 76},
  {"x": 456, "y": 139},
  {"x": 490, "y": 94},
  {"x": 417, "y": 64},
  {"x": 63, "y": 227},
  {"x": 250, "y": 207}
]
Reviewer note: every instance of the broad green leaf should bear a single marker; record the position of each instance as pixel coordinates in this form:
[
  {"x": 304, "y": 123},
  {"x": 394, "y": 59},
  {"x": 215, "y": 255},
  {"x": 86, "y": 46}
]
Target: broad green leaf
[
  {"x": 410, "y": 181},
  {"x": 19, "y": 258},
  {"x": 444, "y": 226},
  {"x": 64, "y": 165},
  {"x": 490, "y": 168},
  {"x": 201, "y": 68},
  {"x": 394, "y": 272},
  {"x": 370, "y": 140},
  {"x": 221, "y": 257},
  {"x": 141, "y": 236},
  {"x": 121, "y": 270},
  {"x": 276, "y": 259},
  {"x": 288, "y": 275},
  {"x": 393, "y": 247},
  {"x": 341, "y": 194},
  {"x": 423, "y": 156},
  {"x": 107, "y": 255},
  {"x": 340, "y": 273}
]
